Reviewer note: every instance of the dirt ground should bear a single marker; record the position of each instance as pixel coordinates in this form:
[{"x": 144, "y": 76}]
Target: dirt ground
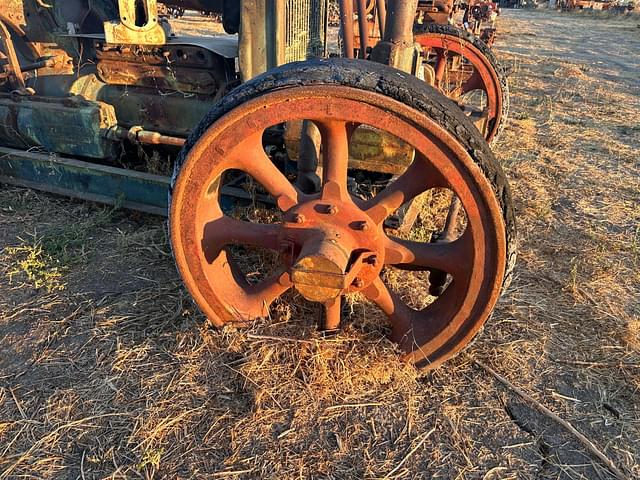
[{"x": 108, "y": 371}]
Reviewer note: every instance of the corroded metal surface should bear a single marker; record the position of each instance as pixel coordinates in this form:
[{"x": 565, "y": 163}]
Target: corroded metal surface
[
  {"x": 138, "y": 24},
  {"x": 370, "y": 149},
  {"x": 460, "y": 69},
  {"x": 176, "y": 67},
  {"x": 61, "y": 175},
  {"x": 72, "y": 126},
  {"x": 329, "y": 244}
]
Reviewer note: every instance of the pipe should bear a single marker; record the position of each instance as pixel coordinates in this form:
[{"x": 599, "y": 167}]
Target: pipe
[
  {"x": 364, "y": 28},
  {"x": 146, "y": 137},
  {"x": 381, "y": 7},
  {"x": 155, "y": 138},
  {"x": 399, "y": 28},
  {"x": 47, "y": 63},
  {"x": 346, "y": 25}
]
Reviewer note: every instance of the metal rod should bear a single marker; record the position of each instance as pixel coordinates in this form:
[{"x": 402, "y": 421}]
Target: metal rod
[
  {"x": 381, "y": 7},
  {"x": 452, "y": 220},
  {"x": 155, "y": 138},
  {"x": 399, "y": 29},
  {"x": 16, "y": 80},
  {"x": 147, "y": 137},
  {"x": 332, "y": 311},
  {"x": 48, "y": 63},
  {"x": 346, "y": 24},
  {"x": 364, "y": 28}
]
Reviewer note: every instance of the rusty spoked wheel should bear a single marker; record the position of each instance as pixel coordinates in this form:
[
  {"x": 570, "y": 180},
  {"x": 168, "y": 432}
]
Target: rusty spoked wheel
[
  {"x": 467, "y": 72},
  {"x": 332, "y": 243}
]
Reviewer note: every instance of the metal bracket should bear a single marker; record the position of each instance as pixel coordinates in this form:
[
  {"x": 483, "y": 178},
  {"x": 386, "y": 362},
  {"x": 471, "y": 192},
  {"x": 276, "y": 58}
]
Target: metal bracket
[{"x": 139, "y": 24}]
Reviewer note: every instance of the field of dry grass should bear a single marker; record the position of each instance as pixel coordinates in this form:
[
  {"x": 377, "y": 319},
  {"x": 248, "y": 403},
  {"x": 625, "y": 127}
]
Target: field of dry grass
[{"x": 108, "y": 371}]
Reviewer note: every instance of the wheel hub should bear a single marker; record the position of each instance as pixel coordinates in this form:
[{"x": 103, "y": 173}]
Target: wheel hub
[{"x": 333, "y": 248}]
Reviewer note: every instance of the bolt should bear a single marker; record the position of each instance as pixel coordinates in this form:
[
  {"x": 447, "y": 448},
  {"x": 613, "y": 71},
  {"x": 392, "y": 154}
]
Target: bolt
[
  {"x": 358, "y": 283},
  {"x": 332, "y": 210},
  {"x": 362, "y": 226},
  {"x": 298, "y": 218}
]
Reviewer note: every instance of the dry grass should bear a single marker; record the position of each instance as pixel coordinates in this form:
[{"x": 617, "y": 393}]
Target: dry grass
[{"x": 117, "y": 376}]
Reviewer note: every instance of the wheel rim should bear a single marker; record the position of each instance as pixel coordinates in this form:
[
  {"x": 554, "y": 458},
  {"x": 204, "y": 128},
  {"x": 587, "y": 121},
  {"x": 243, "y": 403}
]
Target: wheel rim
[
  {"x": 477, "y": 74},
  {"x": 309, "y": 258}
]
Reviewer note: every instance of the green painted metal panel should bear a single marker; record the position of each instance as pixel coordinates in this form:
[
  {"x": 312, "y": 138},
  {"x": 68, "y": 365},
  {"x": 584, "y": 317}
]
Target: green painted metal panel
[{"x": 89, "y": 181}]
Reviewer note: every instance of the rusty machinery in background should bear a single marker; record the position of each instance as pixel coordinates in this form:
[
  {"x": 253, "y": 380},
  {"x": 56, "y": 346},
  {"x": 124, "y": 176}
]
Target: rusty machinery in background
[
  {"x": 456, "y": 60},
  {"x": 310, "y": 164},
  {"x": 614, "y": 6},
  {"x": 482, "y": 16}
]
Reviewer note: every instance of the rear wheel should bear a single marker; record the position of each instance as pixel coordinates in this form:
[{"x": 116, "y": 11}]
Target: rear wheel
[
  {"x": 334, "y": 242},
  {"x": 467, "y": 71}
]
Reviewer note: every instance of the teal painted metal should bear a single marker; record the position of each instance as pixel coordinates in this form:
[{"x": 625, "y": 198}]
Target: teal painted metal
[
  {"x": 88, "y": 181},
  {"x": 71, "y": 126},
  {"x": 128, "y": 189}
]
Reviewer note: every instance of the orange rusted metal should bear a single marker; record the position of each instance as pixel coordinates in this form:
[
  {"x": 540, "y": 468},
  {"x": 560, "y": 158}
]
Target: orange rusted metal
[
  {"x": 460, "y": 69},
  {"x": 329, "y": 244}
]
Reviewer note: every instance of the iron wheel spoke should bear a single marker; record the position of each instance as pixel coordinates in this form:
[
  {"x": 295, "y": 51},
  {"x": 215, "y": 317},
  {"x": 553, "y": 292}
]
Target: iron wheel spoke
[
  {"x": 400, "y": 315},
  {"x": 229, "y": 231},
  {"x": 418, "y": 178},
  {"x": 269, "y": 289},
  {"x": 449, "y": 257},
  {"x": 257, "y": 163},
  {"x": 335, "y": 156}
]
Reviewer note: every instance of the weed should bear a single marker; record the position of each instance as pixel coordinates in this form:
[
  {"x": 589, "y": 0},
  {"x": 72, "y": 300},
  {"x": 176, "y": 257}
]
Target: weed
[
  {"x": 49, "y": 255},
  {"x": 150, "y": 462},
  {"x": 41, "y": 269}
]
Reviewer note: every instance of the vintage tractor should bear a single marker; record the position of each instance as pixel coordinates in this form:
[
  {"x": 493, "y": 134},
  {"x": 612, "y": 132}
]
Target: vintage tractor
[{"x": 312, "y": 165}]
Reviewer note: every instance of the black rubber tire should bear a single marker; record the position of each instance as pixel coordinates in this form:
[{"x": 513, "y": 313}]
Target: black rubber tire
[
  {"x": 374, "y": 77},
  {"x": 452, "y": 31}
]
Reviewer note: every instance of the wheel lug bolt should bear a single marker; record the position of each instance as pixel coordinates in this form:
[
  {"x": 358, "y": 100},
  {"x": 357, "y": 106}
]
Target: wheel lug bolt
[
  {"x": 362, "y": 226},
  {"x": 298, "y": 218},
  {"x": 358, "y": 283},
  {"x": 332, "y": 210}
]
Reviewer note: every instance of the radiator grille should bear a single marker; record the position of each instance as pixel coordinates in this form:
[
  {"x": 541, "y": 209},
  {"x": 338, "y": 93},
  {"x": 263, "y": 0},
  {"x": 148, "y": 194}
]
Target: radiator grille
[{"x": 306, "y": 29}]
